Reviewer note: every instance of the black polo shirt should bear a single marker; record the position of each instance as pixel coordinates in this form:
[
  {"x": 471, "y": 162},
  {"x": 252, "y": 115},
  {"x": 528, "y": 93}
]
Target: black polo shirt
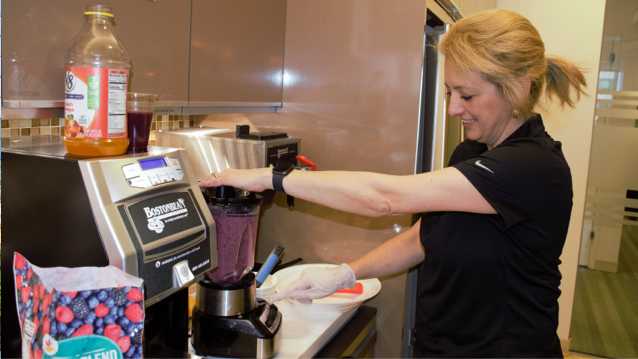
[{"x": 489, "y": 284}]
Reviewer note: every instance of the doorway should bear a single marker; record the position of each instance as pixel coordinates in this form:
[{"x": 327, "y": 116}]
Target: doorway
[{"x": 605, "y": 313}]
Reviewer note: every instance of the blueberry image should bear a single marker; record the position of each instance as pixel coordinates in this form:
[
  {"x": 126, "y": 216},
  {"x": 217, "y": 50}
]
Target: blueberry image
[
  {"x": 128, "y": 302},
  {"x": 114, "y": 310},
  {"x": 76, "y": 323},
  {"x": 61, "y": 327},
  {"x": 51, "y": 311},
  {"x": 65, "y": 299},
  {"x": 93, "y": 302},
  {"x": 102, "y": 295},
  {"x": 90, "y": 318},
  {"x": 109, "y": 302},
  {"x": 139, "y": 349},
  {"x": 130, "y": 351},
  {"x": 126, "y": 289},
  {"x": 69, "y": 331},
  {"x": 121, "y": 312},
  {"x": 99, "y": 331},
  {"x": 60, "y": 336},
  {"x": 123, "y": 321},
  {"x": 53, "y": 328},
  {"x": 29, "y": 303},
  {"x": 28, "y": 313},
  {"x": 109, "y": 319},
  {"x": 99, "y": 322},
  {"x": 85, "y": 293}
]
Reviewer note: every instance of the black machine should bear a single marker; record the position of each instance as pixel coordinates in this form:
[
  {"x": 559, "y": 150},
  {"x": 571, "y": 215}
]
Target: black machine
[
  {"x": 228, "y": 320},
  {"x": 64, "y": 211}
]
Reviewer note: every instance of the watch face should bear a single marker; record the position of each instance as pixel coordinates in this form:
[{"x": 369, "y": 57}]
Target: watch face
[{"x": 283, "y": 167}]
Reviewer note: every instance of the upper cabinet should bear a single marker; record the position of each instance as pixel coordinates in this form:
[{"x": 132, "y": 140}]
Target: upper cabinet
[
  {"x": 201, "y": 53},
  {"x": 237, "y": 51}
]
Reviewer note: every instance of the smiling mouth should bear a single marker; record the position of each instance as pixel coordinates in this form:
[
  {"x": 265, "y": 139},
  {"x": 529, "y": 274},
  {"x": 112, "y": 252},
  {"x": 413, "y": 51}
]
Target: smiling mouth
[{"x": 468, "y": 122}]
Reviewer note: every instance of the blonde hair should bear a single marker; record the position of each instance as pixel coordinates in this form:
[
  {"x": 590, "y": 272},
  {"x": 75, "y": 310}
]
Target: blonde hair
[{"x": 503, "y": 47}]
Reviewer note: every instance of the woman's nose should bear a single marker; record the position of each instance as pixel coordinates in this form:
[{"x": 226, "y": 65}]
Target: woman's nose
[{"x": 454, "y": 109}]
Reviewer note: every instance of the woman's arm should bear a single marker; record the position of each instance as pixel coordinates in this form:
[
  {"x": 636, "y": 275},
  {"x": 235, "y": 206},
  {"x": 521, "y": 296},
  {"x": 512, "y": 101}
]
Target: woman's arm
[
  {"x": 399, "y": 253},
  {"x": 365, "y": 193}
]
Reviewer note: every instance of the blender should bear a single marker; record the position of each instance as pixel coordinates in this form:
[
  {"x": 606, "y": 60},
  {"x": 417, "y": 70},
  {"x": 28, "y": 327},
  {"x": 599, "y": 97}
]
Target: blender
[{"x": 228, "y": 318}]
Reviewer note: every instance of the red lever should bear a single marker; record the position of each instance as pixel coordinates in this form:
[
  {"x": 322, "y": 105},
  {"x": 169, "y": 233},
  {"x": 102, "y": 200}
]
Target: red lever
[{"x": 307, "y": 162}]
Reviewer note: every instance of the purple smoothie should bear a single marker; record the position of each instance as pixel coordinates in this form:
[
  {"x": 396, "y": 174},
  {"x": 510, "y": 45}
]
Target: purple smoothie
[
  {"x": 139, "y": 129},
  {"x": 235, "y": 245}
]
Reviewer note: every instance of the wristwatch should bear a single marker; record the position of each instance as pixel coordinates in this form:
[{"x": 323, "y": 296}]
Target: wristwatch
[{"x": 278, "y": 173}]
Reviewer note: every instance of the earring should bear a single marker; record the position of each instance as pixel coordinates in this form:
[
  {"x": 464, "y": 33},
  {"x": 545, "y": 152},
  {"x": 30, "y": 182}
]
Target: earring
[{"x": 516, "y": 114}]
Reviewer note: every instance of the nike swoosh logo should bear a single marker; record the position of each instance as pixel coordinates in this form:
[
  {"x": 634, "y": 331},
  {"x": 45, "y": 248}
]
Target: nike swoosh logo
[{"x": 478, "y": 163}]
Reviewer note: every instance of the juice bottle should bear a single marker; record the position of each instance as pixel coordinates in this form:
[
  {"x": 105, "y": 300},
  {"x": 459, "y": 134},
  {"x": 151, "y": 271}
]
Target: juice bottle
[{"x": 96, "y": 81}]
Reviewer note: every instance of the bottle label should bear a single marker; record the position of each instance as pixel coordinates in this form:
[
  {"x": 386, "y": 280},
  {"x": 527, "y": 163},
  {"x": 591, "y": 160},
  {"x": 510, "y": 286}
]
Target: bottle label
[{"x": 95, "y": 102}]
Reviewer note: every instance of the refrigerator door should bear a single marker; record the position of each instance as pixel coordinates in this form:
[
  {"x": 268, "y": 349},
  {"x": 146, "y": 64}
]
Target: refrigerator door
[{"x": 438, "y": 135}]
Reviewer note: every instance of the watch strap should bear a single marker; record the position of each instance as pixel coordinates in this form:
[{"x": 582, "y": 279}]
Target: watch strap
[{"x": 278, "y": 182}]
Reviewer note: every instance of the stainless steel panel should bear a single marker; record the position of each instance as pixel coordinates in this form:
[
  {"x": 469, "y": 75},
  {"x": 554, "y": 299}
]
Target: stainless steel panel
[
  {"x": 268, "y": 348},
  {"x": 226, "y": 303},
  {"x": 237, "y": 50},
  {"x": 214, "y": 149}
]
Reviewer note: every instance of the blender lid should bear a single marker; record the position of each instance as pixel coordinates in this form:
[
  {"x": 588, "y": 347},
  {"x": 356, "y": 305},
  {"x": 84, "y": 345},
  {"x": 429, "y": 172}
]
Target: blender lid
[{"x": 228, "y": 195}]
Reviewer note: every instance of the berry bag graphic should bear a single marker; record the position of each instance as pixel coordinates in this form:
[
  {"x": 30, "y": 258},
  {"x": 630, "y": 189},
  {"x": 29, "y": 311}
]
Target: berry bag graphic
[{"x": 78, "y": 312}]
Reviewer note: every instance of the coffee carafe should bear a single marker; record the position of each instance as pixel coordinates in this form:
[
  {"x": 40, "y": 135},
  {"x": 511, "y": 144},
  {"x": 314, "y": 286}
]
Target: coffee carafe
[{"x": 228, "y": 318}]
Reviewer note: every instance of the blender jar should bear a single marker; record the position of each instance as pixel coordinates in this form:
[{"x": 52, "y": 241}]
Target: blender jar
[{"x": 236, "y": 215}]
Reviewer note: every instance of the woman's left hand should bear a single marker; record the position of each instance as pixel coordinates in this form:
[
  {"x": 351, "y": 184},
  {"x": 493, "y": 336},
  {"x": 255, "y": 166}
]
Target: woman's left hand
[{"x": 253, "y": 180}]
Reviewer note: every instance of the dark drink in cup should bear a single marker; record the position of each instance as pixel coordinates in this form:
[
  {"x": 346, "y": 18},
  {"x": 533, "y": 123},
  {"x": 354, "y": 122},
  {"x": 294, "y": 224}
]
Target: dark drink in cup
[
  {"x": 139, "y": 115},
  {"x": 139, "y": 130}
]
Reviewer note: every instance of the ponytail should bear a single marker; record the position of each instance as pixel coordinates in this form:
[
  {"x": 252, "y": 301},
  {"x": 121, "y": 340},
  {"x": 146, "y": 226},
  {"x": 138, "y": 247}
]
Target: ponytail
[{"x": 563, "y": 77}]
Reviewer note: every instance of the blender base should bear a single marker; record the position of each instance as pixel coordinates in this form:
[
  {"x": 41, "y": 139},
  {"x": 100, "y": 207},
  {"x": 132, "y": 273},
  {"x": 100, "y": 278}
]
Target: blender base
[{"x": 256, "y": 334}]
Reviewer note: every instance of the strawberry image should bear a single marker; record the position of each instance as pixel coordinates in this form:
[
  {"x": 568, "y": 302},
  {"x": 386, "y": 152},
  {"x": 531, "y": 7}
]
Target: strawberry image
[
  {"x": 124, "y": 343},
  {"x": 46, "y": 325},
  {"x": 86, "y": 329},
  {"x": 19, "y": 279},
  {"x": 19, "y": 261},
  {"x": 134, "y": 313},
  {"x": 64, "y": 314},
  {"x": 25, "y": 292},
  {"x": 42, "y": 290},
  {"x": 101, "y": 310},
  {"x": 70, "y": 294},
  {"x": 134, "y": 295},
  {"x": 113, "y": 332},
  {"x": 36, "y": 300},
  {"x": 29, "y": 273}
]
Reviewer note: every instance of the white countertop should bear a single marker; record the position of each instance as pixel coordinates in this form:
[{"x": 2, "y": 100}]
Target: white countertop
[{"x": 304, "y": 334}]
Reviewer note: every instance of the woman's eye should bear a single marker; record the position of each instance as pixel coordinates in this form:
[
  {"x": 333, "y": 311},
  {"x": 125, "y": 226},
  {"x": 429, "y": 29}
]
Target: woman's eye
[
  {"x": 466, "y": 98},
  {"x": 448, "y": 93}
]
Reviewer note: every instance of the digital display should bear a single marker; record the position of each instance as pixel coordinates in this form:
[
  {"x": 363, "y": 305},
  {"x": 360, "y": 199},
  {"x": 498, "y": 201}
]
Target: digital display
[{"x": 152, "y": 163}]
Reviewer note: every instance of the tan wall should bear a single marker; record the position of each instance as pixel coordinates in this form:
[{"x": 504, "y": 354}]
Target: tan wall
[
  {"x": 573, "y": 30},
  {"x": 351, "y": 92}
]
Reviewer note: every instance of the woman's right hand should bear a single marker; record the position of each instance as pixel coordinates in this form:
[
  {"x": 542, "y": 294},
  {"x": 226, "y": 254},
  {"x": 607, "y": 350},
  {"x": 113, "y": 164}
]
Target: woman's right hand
[
  {"x": 253, "y": 180},
  {"x": 316, "y": 283}
]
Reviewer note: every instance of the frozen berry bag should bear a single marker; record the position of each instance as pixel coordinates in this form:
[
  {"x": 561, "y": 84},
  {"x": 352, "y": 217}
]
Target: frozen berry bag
[{"x": 78, "y": 312}]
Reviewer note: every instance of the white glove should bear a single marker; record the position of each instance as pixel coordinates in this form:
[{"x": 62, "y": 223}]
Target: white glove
[{"x": 315, "y": 283}]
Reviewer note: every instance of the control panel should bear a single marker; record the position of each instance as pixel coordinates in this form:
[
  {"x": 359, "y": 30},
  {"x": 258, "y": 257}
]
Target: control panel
[{"x": 153, "y": 171}]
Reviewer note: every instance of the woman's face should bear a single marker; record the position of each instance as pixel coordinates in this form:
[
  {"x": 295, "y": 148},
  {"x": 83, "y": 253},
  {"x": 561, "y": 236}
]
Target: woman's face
[{"x": 486, "y": 116}]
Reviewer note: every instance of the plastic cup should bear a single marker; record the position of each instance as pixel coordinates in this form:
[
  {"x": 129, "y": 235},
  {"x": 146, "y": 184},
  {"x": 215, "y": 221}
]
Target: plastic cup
[{"x": 139, "y": 115}]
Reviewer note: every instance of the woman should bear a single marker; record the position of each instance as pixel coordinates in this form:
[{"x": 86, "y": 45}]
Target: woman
[{"x": 494, "y": 222}]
